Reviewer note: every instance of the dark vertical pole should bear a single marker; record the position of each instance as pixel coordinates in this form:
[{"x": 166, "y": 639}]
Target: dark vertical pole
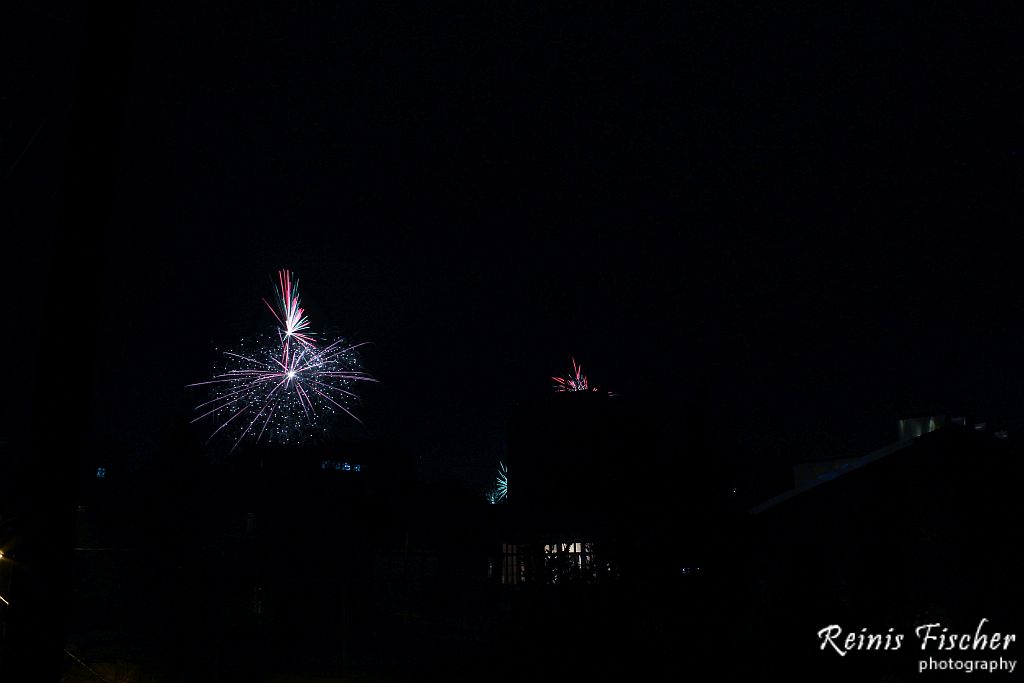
[{"x": 47, "y": 467}]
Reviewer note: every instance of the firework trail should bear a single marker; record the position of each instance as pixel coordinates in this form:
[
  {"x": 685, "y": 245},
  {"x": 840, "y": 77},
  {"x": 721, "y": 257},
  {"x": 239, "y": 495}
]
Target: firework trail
[{"x": 269, "y": 388}]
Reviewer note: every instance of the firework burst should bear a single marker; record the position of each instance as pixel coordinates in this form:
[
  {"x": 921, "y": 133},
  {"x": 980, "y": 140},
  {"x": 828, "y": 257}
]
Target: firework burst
[
  {"x": 271, "y": 388},
  {"x": 575, "y": 381}
]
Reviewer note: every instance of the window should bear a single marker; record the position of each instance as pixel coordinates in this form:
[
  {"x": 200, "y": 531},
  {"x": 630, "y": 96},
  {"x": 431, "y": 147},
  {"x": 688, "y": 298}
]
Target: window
[
  {"x": 575, "y": 562},
  {"x": 512, "y": 568},
  {"x": 339, "y": 466}
]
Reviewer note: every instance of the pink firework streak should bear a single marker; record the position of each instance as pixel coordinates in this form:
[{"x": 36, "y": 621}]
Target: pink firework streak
[
  {"x": 292, "y": 316},
  {"x": 576, "y": 381}
]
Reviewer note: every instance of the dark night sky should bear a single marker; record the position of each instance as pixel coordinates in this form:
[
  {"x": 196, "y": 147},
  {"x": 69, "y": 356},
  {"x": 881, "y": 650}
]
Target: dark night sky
[{"x": 806, "y": 214}]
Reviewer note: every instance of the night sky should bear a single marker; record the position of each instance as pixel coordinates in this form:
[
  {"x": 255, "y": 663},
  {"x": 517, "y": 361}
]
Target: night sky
[{"x": 804, "y": 218}]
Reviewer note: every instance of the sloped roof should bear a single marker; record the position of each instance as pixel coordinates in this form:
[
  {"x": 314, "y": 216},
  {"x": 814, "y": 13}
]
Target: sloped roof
[{"x": 853, "y": 466}]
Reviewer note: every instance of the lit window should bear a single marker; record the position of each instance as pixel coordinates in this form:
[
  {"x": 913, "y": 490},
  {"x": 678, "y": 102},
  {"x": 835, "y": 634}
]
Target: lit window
[
  {"x": 339, "y": 466},
  {"x": 513, "y": 569},
  {"x": 572, "y": 562},
  {"x": 101, "y": 472}
]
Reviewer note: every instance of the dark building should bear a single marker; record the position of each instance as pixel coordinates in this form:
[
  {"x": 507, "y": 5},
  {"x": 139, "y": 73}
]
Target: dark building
[
  {"x": 912, "y": 532},
  {"x": 581, "y": 463},
  {"x": 617, "y": 544},
  {"x": 611, "y": 486},
  {"x": 261, "y": 562},
  {"x": 287, "y": 545},
  {"x": 613, "y": 537}
]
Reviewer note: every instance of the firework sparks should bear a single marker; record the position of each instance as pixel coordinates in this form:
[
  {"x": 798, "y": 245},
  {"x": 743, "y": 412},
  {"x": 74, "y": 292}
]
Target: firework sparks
[
  {"x": 575, "y": 381},
  {"x": 273, "y": 389},
  {"x": 501, "y": 484},
  {"x": 291, "y": 316}
]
